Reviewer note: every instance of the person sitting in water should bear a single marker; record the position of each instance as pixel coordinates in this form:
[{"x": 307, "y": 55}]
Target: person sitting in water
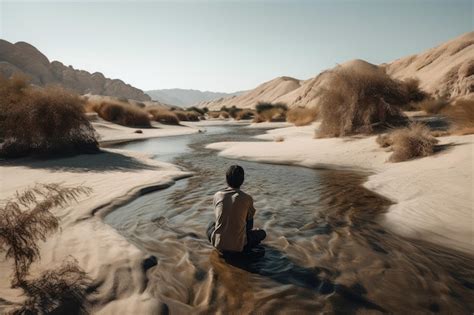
[{"x": 233, "y": 229}]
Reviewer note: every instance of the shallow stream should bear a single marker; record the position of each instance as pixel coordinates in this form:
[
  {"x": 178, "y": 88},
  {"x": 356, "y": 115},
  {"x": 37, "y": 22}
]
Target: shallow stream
[{"x": 325, "y": 251}]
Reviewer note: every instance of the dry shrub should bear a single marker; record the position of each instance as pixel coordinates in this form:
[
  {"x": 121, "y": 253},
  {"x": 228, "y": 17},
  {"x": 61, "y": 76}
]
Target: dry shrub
[
  {"x": 408, "y": 143},
  {"x": 461, "y": 115},
  {"x": 42, "y": 121},
  {"x": 245, "y": 114},
  {"x": 187, "y": 115},
  {"x": 270, "y": 112},
  {"x": 414, "y": 94},
  {"x": 432, "y": 105},
  {"x": 359, "y": 102},
  {"x": 218, "y": 114},
  {"x": 193, "y": 116},
  {"x": 59, "y": 291},
  {"x": 301, "y": 116},
  {"x": 27, "y": 219},
  {"x": 123, "y": 114},
  {"x": 214, "y": 114},
  {"x": 164, "y": 116},
  {"x": 197, "y": 110}
]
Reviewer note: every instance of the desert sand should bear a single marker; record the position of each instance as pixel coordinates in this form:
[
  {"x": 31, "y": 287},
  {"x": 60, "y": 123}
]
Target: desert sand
[
  {"x": 115, "y": 177},
  {"x": 433, "y": 196},
  {"x": 110, "y": 133}
]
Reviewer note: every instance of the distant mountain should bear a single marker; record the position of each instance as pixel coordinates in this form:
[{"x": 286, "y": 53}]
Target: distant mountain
[
  {"x": 186, "y": 98},
  {"x": 446, "y": 70},
  {"x": 24, "y": 58}
]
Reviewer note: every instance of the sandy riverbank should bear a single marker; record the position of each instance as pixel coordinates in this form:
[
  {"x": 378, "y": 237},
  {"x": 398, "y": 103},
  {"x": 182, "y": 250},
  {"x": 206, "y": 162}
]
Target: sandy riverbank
[
  {"x": 115, "y": 176},
  {"x": 433, "y": 196}
]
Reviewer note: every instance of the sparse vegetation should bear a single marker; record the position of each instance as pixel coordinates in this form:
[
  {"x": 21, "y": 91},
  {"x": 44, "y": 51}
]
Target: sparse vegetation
[
  {"x": 233, "y": 111},
  {"x": 122, "y": 114},
  {"x": 27, "y": 219},
  {"x": 301, "y": 116},
  {"x": 413, "y": 92},
  {"x": 187, "y": 115},
  {"x": 408, "y": 143},
  {"x": 218, "y": 114},
  {"x": 270, "y": 112},
  {"x": 432, "y": 105},
  {"x": 197, "y": 110},
  {"x": 461, "y": 115},
  {"x": 164, "y": 116},
  {"x": 459, "y": 112},
  {"x": 42, "y": 121},
  {"x": 359, "y": 102},
  {"x": 245, "y": 114},
  {"x": 59, "y": 291}
]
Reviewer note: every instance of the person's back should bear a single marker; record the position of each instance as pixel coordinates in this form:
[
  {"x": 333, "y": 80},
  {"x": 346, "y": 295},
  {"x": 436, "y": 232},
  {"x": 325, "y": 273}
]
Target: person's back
[
  {"x": 233, "y": 208},
  {"x": 234, "y": 213}
]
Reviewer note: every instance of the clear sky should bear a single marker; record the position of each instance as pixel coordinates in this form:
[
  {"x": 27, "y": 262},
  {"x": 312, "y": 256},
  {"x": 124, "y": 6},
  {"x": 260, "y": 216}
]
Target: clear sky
[{"x": 228, "y": 45}]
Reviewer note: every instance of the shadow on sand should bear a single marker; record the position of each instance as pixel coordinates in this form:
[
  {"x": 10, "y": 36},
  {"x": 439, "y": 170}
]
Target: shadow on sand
[{"x": 99, "y": 162}]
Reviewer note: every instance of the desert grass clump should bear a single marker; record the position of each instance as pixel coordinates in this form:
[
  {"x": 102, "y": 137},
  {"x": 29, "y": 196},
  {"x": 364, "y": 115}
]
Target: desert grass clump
[
  {"x": 59, "y": 291},
  {"x": 413, "y": 93},
  {"x": 461, "y": 115},
  {"x": 245, "y": 114},
  {"x": 433, "y": 105},
  {"x": 233, "y": 111},
  {"x": 164, "y": 116},
  {"x": 123, "y": 114},
  {"x": 302, "y": 116},
  {"x": 200, "y": 111},
  {"x": 42, "y": 121},
  {"x": 408, "y": 143},
  {"x": 218, "y": 115},
  {"x": 270, "y": 112},
  {"x": 27, "y": 218},
  {"x": 359, "y": 101},
  {"x": 224, "y": 115},
  {"x": 184, "y": 115}
]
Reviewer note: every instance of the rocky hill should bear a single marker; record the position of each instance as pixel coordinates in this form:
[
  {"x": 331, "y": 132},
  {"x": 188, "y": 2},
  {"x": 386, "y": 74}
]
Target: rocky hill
[
  {"x": 446, "y": 70},
  {"x": 23, "y": 58}
]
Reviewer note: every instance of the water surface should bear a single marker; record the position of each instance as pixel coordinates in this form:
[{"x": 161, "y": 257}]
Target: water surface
[{"x": 325, "y": 251}]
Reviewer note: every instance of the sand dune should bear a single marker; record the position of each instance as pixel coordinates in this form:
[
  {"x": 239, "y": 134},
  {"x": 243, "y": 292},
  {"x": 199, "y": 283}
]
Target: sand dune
[
  {"x": 266, "y": 92},
  {"x": 446, "y": 70}
]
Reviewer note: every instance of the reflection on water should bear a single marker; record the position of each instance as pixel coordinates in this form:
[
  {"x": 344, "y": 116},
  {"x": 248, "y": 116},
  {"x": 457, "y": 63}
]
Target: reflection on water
[{"x": 325, "y": 251}]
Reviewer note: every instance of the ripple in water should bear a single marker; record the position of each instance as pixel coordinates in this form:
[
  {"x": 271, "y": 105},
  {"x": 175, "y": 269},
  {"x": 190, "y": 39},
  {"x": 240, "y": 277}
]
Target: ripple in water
[{"x": 325, "y": 251}]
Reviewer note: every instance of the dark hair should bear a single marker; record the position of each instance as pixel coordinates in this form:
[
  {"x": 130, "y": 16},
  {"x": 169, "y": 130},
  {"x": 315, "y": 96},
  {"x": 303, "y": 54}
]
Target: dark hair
[{"x": 235, "y": 176}]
